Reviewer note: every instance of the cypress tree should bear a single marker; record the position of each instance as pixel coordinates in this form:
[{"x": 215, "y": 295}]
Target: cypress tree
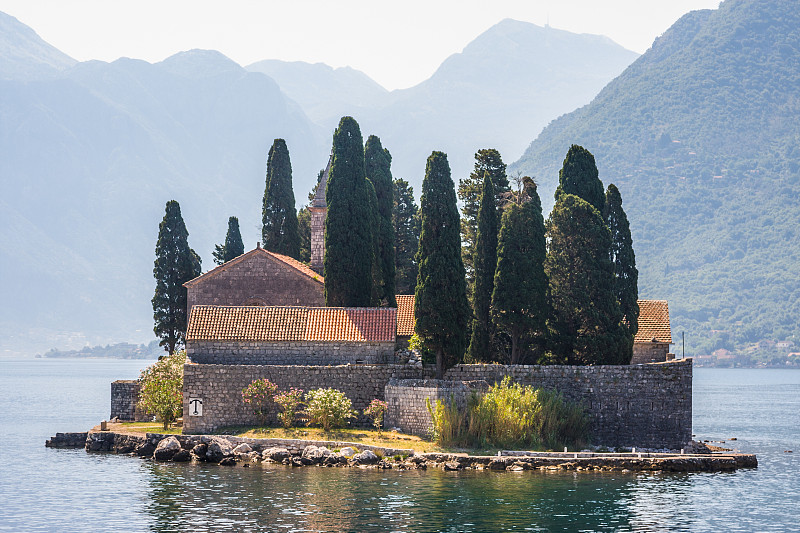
[
  {"x": 233, "y": 247},
  {"x": 280, "y": 231},
  {"x": 485, "y": 263},
  {"x": 406, "y": 230},
  {"x": 586, "y": 325},
  {"x": 626, "y": 276},
  {"x": 440, "y": 305},
  {"x": 469, "y": 192},
  {"x": 175, "y": 264},
  {"x": 348, "y": 235},
  {"x": 519, "y": 300},
  {"x": 378, "y": 167},
  {"x": 579, "y": 176},
  {"x": 376, "y": 297}
]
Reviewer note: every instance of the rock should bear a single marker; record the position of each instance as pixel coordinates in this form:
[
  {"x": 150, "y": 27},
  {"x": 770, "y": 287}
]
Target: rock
[
  {"x": 182, "y": 456},
  {"x": 367, "y": 457},
  {"x": 228, "y": 461},
  {"x": 515, "y": 468},
  {"x": 166, "y": 449},
  {"x": 242, "y": 449},
  {"x": 218, "y": 450},
  {"x": 348, "y": 452},
  {"x": 145, "y": 449},
  {"x": 199, "y": 451},
  {"x": 315, "y": 454},
  {"x": 497, "y": 464},
  {"x": 296, "y": 461},
  {"x": 452, "y": 466},
  {"x": 275, "y": 454}
]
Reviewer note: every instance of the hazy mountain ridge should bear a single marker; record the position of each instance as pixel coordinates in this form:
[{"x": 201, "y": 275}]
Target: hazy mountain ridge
[
  {"x": 700, "y": 134},
  {"x": 24, "y": 55}
]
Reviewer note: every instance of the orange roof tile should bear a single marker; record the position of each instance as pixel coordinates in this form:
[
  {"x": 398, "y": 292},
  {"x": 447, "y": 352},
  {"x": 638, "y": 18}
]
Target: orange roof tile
[
  {"x": 294, "y": 263},
  {"x": 210, "y": 322},
  {"x": 653, "y": 322},
  {"x": 405, "y": 315}
]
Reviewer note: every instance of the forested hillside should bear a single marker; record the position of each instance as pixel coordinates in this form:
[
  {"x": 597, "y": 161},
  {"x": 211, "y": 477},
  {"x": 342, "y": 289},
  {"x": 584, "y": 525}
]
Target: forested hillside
[{"x": 702, "y": 136}]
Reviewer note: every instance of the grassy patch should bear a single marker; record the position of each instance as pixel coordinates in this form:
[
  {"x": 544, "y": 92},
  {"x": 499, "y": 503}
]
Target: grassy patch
[
  {"x": 144, "y": 427},
  {"x": 386, "y": 439}
]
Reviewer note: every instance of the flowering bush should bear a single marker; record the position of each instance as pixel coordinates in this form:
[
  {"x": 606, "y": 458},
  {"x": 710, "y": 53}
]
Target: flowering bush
[
  {"x": 288, "y": 401},
  {"x": 259, "y": 396},
  {"x": 160, "y": 386},
  {"x": 329, "y": 408},
  {"x": 375, "y": 411}
]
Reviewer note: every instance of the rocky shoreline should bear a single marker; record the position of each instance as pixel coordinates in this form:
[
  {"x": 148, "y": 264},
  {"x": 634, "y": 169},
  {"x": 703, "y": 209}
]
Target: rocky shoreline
[{"x": 246, "y": 452}]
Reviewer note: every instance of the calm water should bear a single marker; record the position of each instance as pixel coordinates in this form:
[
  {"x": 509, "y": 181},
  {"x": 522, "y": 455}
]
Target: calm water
[{"x": 68, "y": 490}]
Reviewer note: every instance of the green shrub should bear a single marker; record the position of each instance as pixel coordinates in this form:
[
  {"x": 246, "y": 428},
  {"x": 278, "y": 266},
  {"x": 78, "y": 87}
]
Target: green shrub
[
  {"x": 511, "y": 415},
  {"x": 328, "y": 407},
  {"x": 161, "y": 388},
  {"x": 376, "y": 410},
  {"x": 259, "y": 396},
  {"x": 289, "y": 402}
]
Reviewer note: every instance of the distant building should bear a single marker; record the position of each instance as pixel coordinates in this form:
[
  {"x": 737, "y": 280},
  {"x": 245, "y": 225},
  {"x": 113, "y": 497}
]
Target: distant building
[
  {"x": 652, "y": 341},
  {"x": 319, "y": 209}
]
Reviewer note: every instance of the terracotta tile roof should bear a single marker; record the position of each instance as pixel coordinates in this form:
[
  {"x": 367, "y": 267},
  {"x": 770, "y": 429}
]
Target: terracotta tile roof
[
  {"x": 351, "y": 324},
  {"x": 210, "y": 322},
  {"x": 294, "y": 263},
  {"x": 405, "y": 315},
  {"x": 653, "y": 322}
]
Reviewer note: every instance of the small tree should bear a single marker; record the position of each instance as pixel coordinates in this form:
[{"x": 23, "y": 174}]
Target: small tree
[
  {"x": 259, "y": 396},
  {"x": 161, "y": 386},
  {"x": 328, "y": 407},
  {"x": 233, "y": 247},
  {"x": 289, "y": 401},
  {"x": 376, "y": 410},
  {"x": 626, "y": 276},
  {"x": 378, "y": 167},
  {"x": 406, "y": 230}
]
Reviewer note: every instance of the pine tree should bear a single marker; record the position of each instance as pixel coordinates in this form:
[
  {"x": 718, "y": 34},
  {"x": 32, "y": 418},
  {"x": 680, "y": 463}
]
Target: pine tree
[
  {"x": 579, "y": 176},
  {"x": 519, "y": 300},
  {"x": 406, "y": 229},
  {"x": 469, "y": 192},
  {"x": 175, "y": 264},
  {"x": 626, "y": 276},
  {"x": 348, "y": 236},
  {"x": 485, "y": 263},
  {"x": 378, "y": 167},
  {"x": 440, "y": 306},
  {"x": 586, "y": 325},
  {"x": 233, "y": 247},
  {"x": 280, "y": 231}
]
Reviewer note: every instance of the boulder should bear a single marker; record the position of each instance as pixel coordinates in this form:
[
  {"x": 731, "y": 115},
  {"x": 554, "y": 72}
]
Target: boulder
[
  {"x": 242, "y": 449},
  {"x": 452, "y": 466},
  {"x": 199, "y": 451},
  {"x": 145, "y": 449},
  {"x": 348, "y": 452},
  {"x": 367, "y": 457},
  {"x": 166, "y": 449},
  {"x": 182, "y": 456},
  {"x": 218, "y": 449},
  {"x": 275, "y": 454},
  {"x": 227, "y": 461},
  {"x": 315, "y": 454}
]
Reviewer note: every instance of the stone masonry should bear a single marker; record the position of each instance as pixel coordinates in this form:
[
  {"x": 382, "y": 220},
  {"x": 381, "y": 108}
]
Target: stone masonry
[
  {"x": 220, "y": 388},
  {"x": 290, "y": 352},
  {"x": 650, "y": 352},
  {"x": 124, "y": 395}
]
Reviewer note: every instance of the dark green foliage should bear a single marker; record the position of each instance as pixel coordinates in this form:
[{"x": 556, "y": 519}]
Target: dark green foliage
[
  {"x": 579, "y": 176},
  {"x": 175, "y": 264},
  {"x": 348, "y": 231},
  {"x": 406, "y": 230},
  {"x": 377, "y": 273},
  {"x": 469, "y": 192},
  {"x": 484, "y": 262},
  {"x": 280, "y": 231},
  {"x": 519, "y": 300},
  {"x": 378, "y": 167},
  {"x": 714, "y": 215},
  {"x": 626, "y": 277},
  {"x": 233, "y": 247},
  {"x": 440, "y": 306},
  {"x": 586, "y": 325}
]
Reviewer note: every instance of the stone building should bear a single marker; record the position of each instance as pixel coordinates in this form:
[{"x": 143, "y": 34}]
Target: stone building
[
  {"x": 319, "y": 209},
  {"x": 405, "y": 319},
  {"x": 282, "y": 335},
  {"x": 259, "y": 277},
  {"x": 652, "y": 341}
]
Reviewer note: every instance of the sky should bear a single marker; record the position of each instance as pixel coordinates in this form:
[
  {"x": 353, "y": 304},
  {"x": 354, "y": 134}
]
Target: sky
[{"x": 398, "y": 44}]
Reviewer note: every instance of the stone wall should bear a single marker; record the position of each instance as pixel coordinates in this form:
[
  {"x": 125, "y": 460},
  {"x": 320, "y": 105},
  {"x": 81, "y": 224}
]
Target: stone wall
[
  {"x": 318, "y": 237},
  {"x": 647, "y": 406},
  {"x": 257, "y": 280},
  {"x": 407, "y": 406},
  {"x": 289, "y": 352},
  {"x": 220, "y": 388},
  {"x": 649, "y": 352},
  {"x": 124, "y": 395}
]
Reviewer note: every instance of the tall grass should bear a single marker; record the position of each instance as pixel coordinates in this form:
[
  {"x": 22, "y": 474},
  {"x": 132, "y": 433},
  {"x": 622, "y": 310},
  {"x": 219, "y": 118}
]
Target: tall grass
[{"x": 511, "y": 415}]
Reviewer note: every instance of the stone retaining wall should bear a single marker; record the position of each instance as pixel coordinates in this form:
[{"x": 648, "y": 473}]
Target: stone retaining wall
[
  {"x": 220, "y": 388},
  {"x": 124, "y": 395},
  {"x": 289, "y": 352}
]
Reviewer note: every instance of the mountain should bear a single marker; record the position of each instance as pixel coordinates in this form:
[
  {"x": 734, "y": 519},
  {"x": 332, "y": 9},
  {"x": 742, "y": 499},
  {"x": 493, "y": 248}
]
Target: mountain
[
  {"x": 500, "y": 91},
  {"x": 92, "y": 152},
  {"x": 701, "y": 136},
  {"x": 326, "y": 94},
  {"x": 24, "y": 55}
]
